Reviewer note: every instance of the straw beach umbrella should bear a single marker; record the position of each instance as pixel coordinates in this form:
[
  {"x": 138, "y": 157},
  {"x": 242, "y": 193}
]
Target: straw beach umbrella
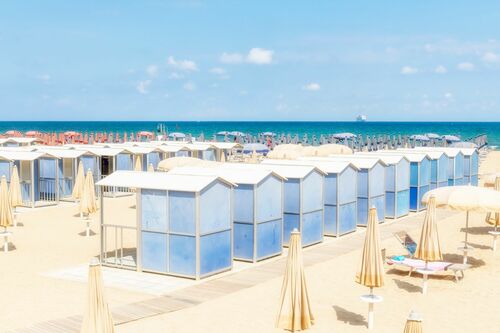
[
  {"x": 88, "y": 202},
  {"x": 151, "y": 168},
  {"x": 371, "y": 272},
  {"x": 467, "y": 199},
  {"x": 97, "y": 317},
  {"x": 5, "y": 206},
  {"x": 495, "y": 221},
  {"x": 295, "y": 310},
  {"x": 79, "y": 182},
  {"x": 428, "y": 248},
  {"x": 413, "y": 323},
  {"x": 15, "y": 195},
  {"x": 138, "y": 163}
]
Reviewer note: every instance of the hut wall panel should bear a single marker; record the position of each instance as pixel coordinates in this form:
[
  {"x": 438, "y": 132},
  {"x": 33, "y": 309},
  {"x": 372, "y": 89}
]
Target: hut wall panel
[
  {"x": 390, "y": 172},
  {"x": 154, "y": 158},
  {"x": 215, "y": 208},
  {"x": 154, "y": 210},
  {"x": 363, "y": 184},
  {"x": 269, "y": 238},
  {"x": 183, "y": 153},
  {"x": 90, "y": 162},
  {"x": 36, "y": 173},
  {"x": 5, "y": 169},
  {"x": 379, "y": 203},
  {"x": 208, "y": 155},
  {"x": 459, "y": 166},
  {"x": 443, "y": 169},
  {"x": 154, "y": 251},
  {"x": 467, "y": 166},
  {"x": 182, "y": 255},
  {"x": 290, "y": 222},
  {"x": 414, "y": 174},
  {"x": 425, "y": 172},
  {"x": 312, "y": 196},
  {"x": 474, "y": 180},
  {"x": 403, "y": 203},
  {"x": 421, "y": 192},
  {"x": 390, "y": 204},
  {"x": 292, "y": 196},
  {"x": 331, "y": 222},
  {"x": 474, "y": 164},
  {"x": 215, "y": 252},
  {"x": 434, "y": 172},
  {"x": 243, "y": 234},
  {"x": 413, "y": 198},
  {"x": 377, "y": 184},
  {"x": 331, "y": 189},
  {"x": 347, "y": 218},
  {"x": 347, "y": 183},
  {"x": 182, "y": 212},
  {"x": 403, "y": 176},
  {"x": 243, "y": 203},
  {"x": 312, "y": 228},
  {"x": 124, "y": 162},
  {"x": 269, "y": 199},
  {"x": 362, "y": 214}
]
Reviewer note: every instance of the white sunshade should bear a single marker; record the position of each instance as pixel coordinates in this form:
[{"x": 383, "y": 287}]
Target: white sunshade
[
  {"x": 18, "y": 140},
  {"x": 226, "y": 145},
  {"x": 23, "y": 155},
  {"x": 324, "y": 166},
  {"x": 159, "y": 181},
  {"x": 233, "y": 175},
  {"x": 105, "y": 151},
  {"x": 360, "y": 162},
  {"x": 64, "y": 153}
]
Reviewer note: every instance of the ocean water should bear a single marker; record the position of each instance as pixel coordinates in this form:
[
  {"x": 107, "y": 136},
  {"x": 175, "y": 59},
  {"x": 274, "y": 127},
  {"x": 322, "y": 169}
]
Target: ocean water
[{"x": 208, "y": 128}]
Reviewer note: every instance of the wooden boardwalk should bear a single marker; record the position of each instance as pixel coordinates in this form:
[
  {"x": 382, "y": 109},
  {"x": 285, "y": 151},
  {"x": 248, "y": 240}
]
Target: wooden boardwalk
[{"x": 228, "y": 283}]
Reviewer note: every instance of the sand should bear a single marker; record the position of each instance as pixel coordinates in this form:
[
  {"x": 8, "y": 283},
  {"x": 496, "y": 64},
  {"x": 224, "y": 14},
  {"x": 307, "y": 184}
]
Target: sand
[{"x": 50, "y": 240}]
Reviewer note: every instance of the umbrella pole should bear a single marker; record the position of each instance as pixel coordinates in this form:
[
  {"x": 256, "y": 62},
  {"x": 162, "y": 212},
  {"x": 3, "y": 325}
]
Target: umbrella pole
[{"x": 466, "y": 247}]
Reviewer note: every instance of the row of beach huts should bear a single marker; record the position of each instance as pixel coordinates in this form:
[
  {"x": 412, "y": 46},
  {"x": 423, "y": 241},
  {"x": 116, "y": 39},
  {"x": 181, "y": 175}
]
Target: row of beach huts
[{"x": 192, "y": 221}]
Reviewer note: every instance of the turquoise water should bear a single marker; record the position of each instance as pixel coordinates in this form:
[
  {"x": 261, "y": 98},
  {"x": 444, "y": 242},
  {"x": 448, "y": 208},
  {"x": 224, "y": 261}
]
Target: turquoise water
[{"x": 463, "y": 129}]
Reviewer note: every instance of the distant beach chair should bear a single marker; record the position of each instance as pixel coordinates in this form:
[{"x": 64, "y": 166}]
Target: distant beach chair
[{"x": 407, "y": 242}]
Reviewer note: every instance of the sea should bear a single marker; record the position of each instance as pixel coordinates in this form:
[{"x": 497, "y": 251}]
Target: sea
[{"x": 463, "y": 129}]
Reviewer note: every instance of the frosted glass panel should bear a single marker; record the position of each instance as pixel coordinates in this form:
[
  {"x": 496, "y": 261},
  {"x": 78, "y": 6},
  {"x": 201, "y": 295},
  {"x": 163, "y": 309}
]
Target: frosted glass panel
[
  {"x": 182, "y": 255},
  {"x": 331, "y": 189},
  {"x": 154, "y": 251},
  {"x": 154, "y": 210},
  {"x": 182, "y": 212},
  {"x": 347, "y": 218},
  {"x": 292, "y": 196},
  {"x": 312, "y": 228},
  {"x": 243, "y": 241},
  {"x": 243, "y": 203},
  {"x": 269, "y": 236},
  {"x": 269, "y": 199},
  {"x": 215, "y": 208},
  {"x": 215, "y": 252},
  {"x": 330, "y": 220}
]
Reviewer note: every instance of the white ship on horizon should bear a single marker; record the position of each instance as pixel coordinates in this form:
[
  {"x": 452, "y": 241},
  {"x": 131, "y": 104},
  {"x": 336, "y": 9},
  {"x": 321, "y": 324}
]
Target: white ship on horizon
[{"x": 361, "y": 118}]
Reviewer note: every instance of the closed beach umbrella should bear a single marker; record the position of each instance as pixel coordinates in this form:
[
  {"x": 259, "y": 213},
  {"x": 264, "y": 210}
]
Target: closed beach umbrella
[
  {"x": 16, "y": 198},
  {"x": 371, "y": 272},
  {"x": 468, "y": 199},
  {"x": 88, "y": 201},
  {"x": 496, "y": 220},
  {"x": 138, "y": 163},
  {"x": 413, "y": 323},
  {"x": 97, "y": 317},
  {"x": 295, "y": 312},
  {"x": 151, "y": 168},
  {"x": 79, "y": 182},
  {"x": 5, "y": 206},
  {"x": 428, "y": 248}
]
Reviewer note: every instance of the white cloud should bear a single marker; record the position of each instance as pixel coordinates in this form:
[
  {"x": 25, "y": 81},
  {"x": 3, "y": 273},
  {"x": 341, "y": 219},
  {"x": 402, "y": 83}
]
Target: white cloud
[
  {"x": 44, "y": 77},
  {"x": 312, "y": 86},
  {"x": 408, "y": 70},
  {"x": 448, "y": 96},
  {"x": 152, "y": 70},
  {"x": 256, "y": 56},
  {"x": 175, "y": 76},
  {"x": 218, "y": 71},
  {"x": 491, "y": 57},
  {"x": 440, "y": 69},
  {"x": 231, "y": 58},
  {"x": 143, "y": 86},
  {"x": 189, "y": 86},
  {"x": 183, "y": 65},
  {"x": 260, "y": 56},
  {"x": 466, "y": 66}
]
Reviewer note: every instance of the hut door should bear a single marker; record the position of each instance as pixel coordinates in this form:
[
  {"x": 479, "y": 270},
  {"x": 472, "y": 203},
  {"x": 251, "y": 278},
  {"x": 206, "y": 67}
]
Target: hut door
[
  {"x": 25, "y": 179},
  {"x": 107, "y": 165},
  {"x": 47, "y": 179},
  {"x": 66, "y": 176}
]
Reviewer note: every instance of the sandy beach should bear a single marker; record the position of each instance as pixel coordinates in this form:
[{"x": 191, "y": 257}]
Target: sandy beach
[{"x": 50, "y": 240}]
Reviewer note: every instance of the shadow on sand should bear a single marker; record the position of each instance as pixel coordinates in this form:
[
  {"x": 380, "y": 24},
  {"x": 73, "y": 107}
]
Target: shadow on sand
[
  {"x": 351, "y": 318},
  {"x": 458, "y": 259},
  {"x": 411, "y": 288}
]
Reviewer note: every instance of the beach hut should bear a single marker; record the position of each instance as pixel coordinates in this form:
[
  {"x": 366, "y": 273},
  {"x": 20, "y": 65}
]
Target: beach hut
[
  {"x": 420, "y": 175},
  {"x": 183, "y": 223},
  {"x": 471, "y": 166},
  {"x": 340, "y": 199},
  {"x": 439, "y": 166},
  {"x": 147, "y": 155},
  {"x": 302, "y": 200},
  {"x": 38, "y": 176},
  {"x": 370, "y": 184},
  {"x": 455, "y": 164},
  {"x": 397, "y": 184},
  {"x": 257, "y": 209}
]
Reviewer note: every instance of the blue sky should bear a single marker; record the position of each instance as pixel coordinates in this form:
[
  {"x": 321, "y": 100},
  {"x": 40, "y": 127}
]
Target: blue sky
[{"x": 249, "y": 60}]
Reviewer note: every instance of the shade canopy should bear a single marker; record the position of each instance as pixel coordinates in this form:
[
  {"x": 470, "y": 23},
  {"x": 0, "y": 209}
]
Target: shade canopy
[
  {"x": 451, "y": 138},
  {"x": 371, "y": 272},
  {"x": 419, "y": 137},
  {"x": 79, "y": 182},
  {"x": 465, "y": 198},
  {"x": 176, "y": 135},
  {"x": 16, "y": 197},
  {"x": 345, "y": 135},
  {"x": 255, "y": 147},
  {"x": 428, "y": 247},
  {"x": 433, "y": 135},
  {"x": 495, "y": 220},
  {"x": 295, "y": 312},
  {"x": 88, "y": 203},
  {"x": 97, "y": 317},
  {"x": 173, "y": 162},
  {"x": 463, "y": 144},
  {"x": 5, "y": 206},
  {"x": 268, "y": 134},
  {"x": 326, "y": 150}
]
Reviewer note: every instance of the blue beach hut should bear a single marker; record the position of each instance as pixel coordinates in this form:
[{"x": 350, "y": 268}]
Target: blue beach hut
[
  {"x": 340, "y": 196},
  {"x": 471, "y": 166},
  {"x": 257, "y": 209},
  {"x": 397, "y": 184},
  {"x": 183, "y": 223},
  {"x": 439, "y": 166},
  {"x": 455, "y": 165}
]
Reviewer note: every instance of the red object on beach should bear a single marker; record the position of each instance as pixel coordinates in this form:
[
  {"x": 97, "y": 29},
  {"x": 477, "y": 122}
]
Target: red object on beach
[
  {"x": 86, "y": 138},
  {"x": 33, "y": 134},
  {"x": 13, "y": 133},
  {"x": 125, "y": 137}
]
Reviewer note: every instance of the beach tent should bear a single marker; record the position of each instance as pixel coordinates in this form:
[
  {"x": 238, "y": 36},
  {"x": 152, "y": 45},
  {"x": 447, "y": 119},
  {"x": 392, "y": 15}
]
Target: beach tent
[
  {"x": 397, "y": 183},
  {"x": 183, "y": 221},
  {"x": 340, "y": 200},
  {"x": 257, "y": 209},
  {"x": 259, "y": 148}
]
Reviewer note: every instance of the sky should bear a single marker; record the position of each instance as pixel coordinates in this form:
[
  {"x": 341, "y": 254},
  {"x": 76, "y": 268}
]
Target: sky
[{"x": 250, "y": 60}]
